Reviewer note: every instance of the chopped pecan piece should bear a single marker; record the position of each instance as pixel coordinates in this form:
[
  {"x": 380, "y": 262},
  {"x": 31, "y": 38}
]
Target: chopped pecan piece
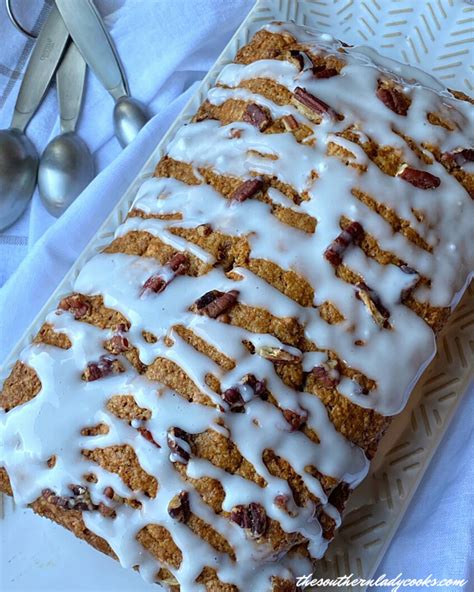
[
  {"x": 177, "y": 265},
  {"x": 420, "y": 179},
  {"x": 311, "y": 106},
  {"x": 407, "y": 269},
  {"x": 80, "y": 500},
  {"x": 259, "y": 386},
  {"x": 285, "y": 503},
  {"x": 117, "y": 344},
  {"x": 78, "y": 490},
  {"x": 374, "y": 305},
  {"x": 277, "y": 354},
  {"x": 233, "y": 398},
  {"x": 290, "y": 123},
  {"x": 147, "y": 435},
  {"x": 214, "y": 303},
  {"x": 57, "y": 500},
  {"x": 351, "y": 234},
  {"x": 324, "y": 72},
  {"x": 179, "y": 446},
  {"x": 81, "y": 506},
  {"x": 115, "y": 497},
  {"x": 178, "y": 507},
  {"x": 109, "y": 492},
  {"x": 327, "y": 374},
  {"x": 256, "y": 116},
  {"x": 296, "y": 420},
  {"x": 237, "y": 396},
  {"x": 459, "y": 157},
  {"x": 155, "y": 283},
  {"x": 252, "y": 518},
  {"x": 207, "y": 298},
  {"x": 204, "y": 229},
  {"x": 105, "y": 366},
  {"x": 77, "y": 304},
  {"x": 281, "y": 501},
  {"x": 106, "y": 511},
  {"x": 149, "y": 337},
  {"x": 247, "y": 189},
  {"x": 394, "y": 99},
  {"x": 300, "y": 60},
  {"x": 235, "y": 133}
]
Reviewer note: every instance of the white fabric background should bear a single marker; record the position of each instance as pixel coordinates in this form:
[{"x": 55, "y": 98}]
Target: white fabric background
[{"x": 166, "y": 47}]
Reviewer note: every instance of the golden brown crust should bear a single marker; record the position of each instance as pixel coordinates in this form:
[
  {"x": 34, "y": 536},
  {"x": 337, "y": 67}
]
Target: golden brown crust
[
  {"x": 21, "y": 386},
  {"x": 123, "y": 461},
  {"x": 125, "y": 407}
]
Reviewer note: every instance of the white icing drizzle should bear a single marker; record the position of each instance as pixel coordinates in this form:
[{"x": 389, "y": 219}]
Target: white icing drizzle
[{"x": 393, "y": 358}]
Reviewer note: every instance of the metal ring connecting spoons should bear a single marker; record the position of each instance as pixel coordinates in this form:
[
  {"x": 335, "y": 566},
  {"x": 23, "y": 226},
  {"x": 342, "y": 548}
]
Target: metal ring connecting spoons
[
  {"x": 18, "y": 157},
  {"x": 66, "y": 166},
  {"x": 16, "y": 23}
]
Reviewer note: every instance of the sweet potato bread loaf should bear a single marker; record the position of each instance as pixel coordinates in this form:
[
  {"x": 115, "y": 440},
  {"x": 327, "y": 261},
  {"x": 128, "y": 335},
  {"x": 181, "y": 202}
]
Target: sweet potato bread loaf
[{"x": 202, "y": 404}]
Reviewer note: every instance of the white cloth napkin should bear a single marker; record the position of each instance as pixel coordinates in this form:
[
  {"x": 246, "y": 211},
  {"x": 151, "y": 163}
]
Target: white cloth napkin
[{"x": 166, "y": 46}]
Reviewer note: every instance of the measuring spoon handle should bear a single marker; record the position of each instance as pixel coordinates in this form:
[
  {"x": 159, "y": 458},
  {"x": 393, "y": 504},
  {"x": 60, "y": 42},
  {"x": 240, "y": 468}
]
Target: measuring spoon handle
[
  {"x": 70, "y": 85},
  {"x": 42, "y": 64}
]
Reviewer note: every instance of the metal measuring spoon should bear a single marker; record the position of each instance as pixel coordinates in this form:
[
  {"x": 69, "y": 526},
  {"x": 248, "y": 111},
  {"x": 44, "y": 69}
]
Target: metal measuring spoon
[
  {"x": 66, "y": 166},
  {"x": 91, "y": 37},
  {"x": 18, "y": 157}
]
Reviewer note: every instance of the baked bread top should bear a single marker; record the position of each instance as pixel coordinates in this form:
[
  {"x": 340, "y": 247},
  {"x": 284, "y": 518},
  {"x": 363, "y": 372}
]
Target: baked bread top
[{"x": 216, "y": 384}]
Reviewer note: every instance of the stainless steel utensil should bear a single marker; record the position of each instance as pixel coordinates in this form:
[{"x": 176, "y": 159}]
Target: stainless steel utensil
[
  {"x": 66, "y": 166},
  {"x": 18, "y": 157},
  {"x": 91, "y": 37}
]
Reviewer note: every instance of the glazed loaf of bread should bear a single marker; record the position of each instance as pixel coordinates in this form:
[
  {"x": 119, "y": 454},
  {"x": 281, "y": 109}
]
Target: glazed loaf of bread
[{"x": 202, "y": 404}]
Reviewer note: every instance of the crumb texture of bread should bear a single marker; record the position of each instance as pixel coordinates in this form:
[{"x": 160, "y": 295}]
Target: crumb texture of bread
[{"x": 202, "y": 404}]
